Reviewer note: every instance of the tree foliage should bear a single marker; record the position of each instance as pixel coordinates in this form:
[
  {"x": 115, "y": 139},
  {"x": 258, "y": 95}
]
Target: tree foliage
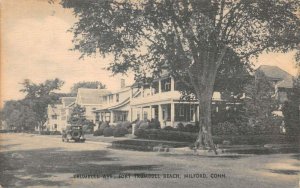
[
  {"x": 190, "y": 39},
  {"x": 92, "y": 85},
  {"x": 291, "y": 109},
  {"x": 259, "y": 99},
  {"x": 27, "y": 113}
]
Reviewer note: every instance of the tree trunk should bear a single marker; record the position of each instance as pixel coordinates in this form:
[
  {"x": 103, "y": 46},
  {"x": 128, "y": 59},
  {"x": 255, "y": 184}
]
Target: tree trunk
[{"x": 204, "y": 95}]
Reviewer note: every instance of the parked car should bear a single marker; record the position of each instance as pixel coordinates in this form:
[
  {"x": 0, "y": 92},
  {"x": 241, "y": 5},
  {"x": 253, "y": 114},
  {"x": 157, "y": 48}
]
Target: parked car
[{"x": 73, "y": 132}]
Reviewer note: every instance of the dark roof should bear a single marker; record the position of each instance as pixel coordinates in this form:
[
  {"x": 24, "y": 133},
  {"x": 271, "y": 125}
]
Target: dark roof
[{"x": 285, "y": 80}]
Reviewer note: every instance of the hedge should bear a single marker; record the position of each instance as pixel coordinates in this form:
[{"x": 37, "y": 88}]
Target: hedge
[{"x": 180, "y": 136}]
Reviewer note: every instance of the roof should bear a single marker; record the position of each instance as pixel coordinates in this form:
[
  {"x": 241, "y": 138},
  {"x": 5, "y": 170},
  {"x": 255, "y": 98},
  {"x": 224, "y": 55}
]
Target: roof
[
  {"x": 68, "y": 100},
  {"x": 90, "y": 96},
  {"x": 275, "y": 73},
  {"x": 55, "y": 108}
]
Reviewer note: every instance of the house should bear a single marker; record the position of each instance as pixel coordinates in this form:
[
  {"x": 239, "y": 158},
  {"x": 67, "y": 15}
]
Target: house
[
  {"x": 159, "y": 100},
  {"x": 91, "y": 100},
  {"x": 58, "y": 114},
  {"x": 280, "y": 79}
]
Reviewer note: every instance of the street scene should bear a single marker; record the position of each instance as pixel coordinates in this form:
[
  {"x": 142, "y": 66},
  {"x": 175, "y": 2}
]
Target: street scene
[
  {"x": 150, "y": 93},
  {"x": 41, "y": 161}
]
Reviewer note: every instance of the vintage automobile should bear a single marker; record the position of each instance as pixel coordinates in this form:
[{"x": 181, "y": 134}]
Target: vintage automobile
[{"x": 73, "y": 132}]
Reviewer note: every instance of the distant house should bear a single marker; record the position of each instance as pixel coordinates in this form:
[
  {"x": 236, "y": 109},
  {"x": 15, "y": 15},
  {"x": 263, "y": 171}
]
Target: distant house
[
  {"x": 58, "y": 114},
  {"x": 91, "y": 100},
  {"x": 281, "y": 80}
]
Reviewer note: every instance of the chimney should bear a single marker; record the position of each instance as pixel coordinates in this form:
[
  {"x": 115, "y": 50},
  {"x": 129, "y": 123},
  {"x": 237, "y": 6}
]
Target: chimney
[{"x": 122, "y": 83}]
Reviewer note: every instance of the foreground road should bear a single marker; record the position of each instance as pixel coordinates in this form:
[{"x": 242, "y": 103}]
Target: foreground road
[{"x": 44, "y": 161}]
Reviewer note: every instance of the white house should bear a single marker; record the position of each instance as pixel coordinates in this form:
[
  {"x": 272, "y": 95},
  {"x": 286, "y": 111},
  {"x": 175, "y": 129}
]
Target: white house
[
  {"x": 159, "y": 100},
  {"x": 58, "y": 114}
]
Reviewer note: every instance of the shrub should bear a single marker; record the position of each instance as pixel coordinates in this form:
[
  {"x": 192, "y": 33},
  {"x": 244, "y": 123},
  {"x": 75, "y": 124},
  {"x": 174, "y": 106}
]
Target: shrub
[
  {"x": 144, "y": 125},
  {"x": 108, "y": 131},
  {"x": 179, "y": 136},
  {"x": 98, "y": 132},
  {"x": 120, "y": 131},
  {"x": 154, "y": 124},
  {"x": 126, "y": 124},
  {"x": 189, "y": 128},
  {"x": 138, "y": 123},
  {"x": 180, "y": 127},
  {"x": 103, "y": 125},
  {"x": 169, "y": 128}
]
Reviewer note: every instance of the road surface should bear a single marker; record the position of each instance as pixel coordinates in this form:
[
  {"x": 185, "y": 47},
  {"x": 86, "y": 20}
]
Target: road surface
[{"x": 44, "y": 161}]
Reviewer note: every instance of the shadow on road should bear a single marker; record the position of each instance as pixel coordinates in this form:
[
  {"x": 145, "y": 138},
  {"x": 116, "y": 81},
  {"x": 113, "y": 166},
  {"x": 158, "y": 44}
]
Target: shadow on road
[{"x": 35, "y": 167}]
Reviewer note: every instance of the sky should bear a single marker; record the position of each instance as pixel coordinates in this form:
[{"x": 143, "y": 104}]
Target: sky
[{"x": 35, "y": 45}]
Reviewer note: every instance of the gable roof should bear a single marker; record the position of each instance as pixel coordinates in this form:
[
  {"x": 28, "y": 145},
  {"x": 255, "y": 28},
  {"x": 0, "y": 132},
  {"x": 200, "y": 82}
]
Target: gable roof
[
  {"x": 66, "y": 101},
  {"x": 86, "y": 96},
  {"x": 275, "y": 73}
]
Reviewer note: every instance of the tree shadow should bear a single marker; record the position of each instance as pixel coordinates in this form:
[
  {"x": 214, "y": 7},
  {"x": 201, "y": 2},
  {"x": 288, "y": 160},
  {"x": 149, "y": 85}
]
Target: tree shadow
[
  {"x": 38, "y": 166},
  {"x": 285, "y": 172},
  {"x": 296, "y": 156},
  {"x": 8, "y": 146}
]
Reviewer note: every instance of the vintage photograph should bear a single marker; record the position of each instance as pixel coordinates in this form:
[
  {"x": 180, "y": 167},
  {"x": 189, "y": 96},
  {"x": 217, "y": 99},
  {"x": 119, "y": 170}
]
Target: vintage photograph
[{"x": 150, "y": 93}]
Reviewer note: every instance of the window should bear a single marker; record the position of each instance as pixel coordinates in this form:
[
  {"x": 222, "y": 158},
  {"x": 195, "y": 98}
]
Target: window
[
  {"x": 110, "y": 98},
  {"x": 166, "y": 85},
  {"x": 145, "y": 115},
  {"x": 192, "y": 114},
  {"x": 181, "y": 111},
  {"x": 117, "y": 97}
]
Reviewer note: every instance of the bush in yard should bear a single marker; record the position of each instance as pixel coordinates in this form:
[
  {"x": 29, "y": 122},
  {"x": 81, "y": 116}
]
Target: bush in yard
[
  {"x": 103, "y": 125},
  {"x": 154, "y": 124},
  {"x": 98, "y": 132},
  {"x": 180, "y": 127},
  {"x": 118, "y": 125},
  {"x": 144, "y": 125},
  {"x": 126, "y": 124},
  {"x": 120, "y": 131},
  {"x": 189, "y": 128},
  {"x": 108, "y": 131},
  {"x": 169, "y": 128},
  {"x": 138, "y": 123}
]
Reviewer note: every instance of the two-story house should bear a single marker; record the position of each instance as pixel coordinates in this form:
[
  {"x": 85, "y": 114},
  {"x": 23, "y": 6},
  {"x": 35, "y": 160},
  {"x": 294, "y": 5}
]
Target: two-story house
[
  {"x": 280, "y": 79},
  {"x": 58, "y": 114},
  {"x": 159, "y": 100}
]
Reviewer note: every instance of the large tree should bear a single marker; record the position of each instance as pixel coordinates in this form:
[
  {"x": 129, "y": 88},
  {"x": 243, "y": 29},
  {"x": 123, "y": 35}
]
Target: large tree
[
  {"x": 188, "y": 38},
  {"x": 38, "y": 96}
]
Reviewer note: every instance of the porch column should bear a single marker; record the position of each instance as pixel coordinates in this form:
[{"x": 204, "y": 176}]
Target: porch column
[
  {"x": 197, "y": 113},
  {"x": 150, "y": 112},
  {"x": 160, "y": 115},
  {"x": 111, "y": 116},
  {"x": 172, "y": 114},
  {"x": 172, "y": 84},
  {"x": 159, "y": 86}
]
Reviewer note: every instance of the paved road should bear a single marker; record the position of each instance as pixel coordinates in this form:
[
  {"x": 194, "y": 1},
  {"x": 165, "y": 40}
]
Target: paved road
[{"x": 44, "y": 161}]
